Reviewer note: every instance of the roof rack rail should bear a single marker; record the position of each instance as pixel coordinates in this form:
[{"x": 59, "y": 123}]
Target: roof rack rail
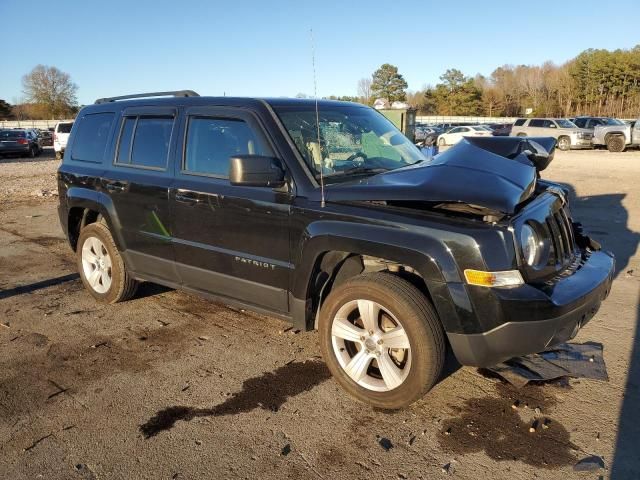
[{"x": 177, "y": 93}]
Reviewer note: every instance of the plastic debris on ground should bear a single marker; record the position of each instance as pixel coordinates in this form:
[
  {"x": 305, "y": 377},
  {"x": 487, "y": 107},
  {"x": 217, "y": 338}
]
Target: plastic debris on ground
[{"x": 565, "y": 360}]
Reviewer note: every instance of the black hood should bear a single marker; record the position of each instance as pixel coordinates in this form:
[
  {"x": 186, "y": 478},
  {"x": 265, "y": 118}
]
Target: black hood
[{"x": 494, "y": 173}]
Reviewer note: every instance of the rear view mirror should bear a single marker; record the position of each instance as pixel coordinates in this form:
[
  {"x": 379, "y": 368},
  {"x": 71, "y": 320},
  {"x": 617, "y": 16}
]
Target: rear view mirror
[{"x": 256, "y": 171}]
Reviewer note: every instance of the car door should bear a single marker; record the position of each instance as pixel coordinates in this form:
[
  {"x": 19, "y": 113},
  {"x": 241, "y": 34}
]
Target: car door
[
  {"x": 550, "y": 128},
  {"x": 463, "y": 132},
  {"x": 453, "y": 136},
  {"x": 138, "y": 183},
  {"x": 231, "y": 241}
]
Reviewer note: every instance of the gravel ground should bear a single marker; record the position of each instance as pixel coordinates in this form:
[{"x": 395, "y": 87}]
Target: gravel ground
[{"x": 174, "y": 387}]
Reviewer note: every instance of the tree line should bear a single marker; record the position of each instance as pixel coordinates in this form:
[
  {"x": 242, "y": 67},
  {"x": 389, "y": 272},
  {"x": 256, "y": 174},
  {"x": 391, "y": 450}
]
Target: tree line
[{"x": 596, "y": 82}]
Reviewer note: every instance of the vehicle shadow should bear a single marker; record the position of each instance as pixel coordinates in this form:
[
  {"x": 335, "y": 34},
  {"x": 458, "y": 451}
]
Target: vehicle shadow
[
  {"x": 626, "y": 461},
  {"x": 606, "y": 219},
  {"x": 49, "y": 282},
  {"x": 148, "y": 289}
]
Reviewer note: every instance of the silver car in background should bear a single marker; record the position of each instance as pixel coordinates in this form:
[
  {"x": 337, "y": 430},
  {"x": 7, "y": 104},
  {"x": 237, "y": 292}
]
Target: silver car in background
[
  {"x": 567, "y": 133},
  {"x": 615, "y": 134}
]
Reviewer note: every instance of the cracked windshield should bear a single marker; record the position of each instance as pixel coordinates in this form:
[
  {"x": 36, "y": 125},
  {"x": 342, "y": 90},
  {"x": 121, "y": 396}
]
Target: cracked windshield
[{"x": 353, "y": 141}]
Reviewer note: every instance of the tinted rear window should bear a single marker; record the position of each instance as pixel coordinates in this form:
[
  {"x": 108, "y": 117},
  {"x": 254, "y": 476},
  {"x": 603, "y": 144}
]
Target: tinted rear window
[
  {"x": 536, "y": 122},
  {"x": 65, "y": 127},
  {"x": 520, "y": 122},
  {"x": 8, "y": 134},
  {"x": 91, "y": 138}
]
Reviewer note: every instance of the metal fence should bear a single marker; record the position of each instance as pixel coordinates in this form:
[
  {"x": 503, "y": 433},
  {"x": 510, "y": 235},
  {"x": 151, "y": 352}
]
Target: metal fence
[
  {"x": 435, "y": 119},
  {"x": 42, "y": 124}
]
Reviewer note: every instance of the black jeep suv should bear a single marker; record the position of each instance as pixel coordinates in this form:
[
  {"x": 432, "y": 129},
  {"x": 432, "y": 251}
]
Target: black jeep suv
[{"x": 325, "y": 215}]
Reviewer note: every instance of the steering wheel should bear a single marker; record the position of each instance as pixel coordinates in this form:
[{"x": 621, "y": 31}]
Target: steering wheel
[{"x": 361, "y": 155}]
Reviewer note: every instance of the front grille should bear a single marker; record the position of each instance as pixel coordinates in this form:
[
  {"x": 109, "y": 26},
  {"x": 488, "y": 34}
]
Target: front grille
[{"x": 563, "y": 242}]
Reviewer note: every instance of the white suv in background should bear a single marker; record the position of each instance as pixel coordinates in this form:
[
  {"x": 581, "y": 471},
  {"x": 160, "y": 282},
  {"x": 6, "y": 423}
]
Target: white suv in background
[
  {"x": 567, "y": 133},
  {"x": 60, "y": 137}
]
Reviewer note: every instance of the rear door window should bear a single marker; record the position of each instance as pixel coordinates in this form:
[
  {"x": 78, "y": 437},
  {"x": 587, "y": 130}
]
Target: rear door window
[
  {"x": 519, "y": 122},
  {"x": 92, "y": 136},
  {"x": 536, "y": 122},
  {"x": 144, "y": 141}
]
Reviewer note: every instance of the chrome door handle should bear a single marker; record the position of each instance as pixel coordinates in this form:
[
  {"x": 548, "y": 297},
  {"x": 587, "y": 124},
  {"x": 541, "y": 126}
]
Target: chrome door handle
[
  {"x": 116, "y": 187},
  {"x": 187, "y": 198}
]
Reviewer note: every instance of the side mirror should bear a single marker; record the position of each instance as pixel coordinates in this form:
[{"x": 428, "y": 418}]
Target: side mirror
[{"x": 256, "y": 171}]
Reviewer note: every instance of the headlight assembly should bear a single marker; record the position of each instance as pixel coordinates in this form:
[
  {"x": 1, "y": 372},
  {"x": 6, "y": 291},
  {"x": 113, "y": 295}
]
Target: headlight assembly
[{"x": 534, "y": 246}]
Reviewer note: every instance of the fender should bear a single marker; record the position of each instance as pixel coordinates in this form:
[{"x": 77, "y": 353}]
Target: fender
[
  {"x": 100, "y": 202},
  {"x": 430, "y": 256}
]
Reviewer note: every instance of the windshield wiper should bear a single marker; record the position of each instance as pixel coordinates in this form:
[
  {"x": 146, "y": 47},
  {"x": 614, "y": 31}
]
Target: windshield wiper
[{"x": 358, "y": 171}]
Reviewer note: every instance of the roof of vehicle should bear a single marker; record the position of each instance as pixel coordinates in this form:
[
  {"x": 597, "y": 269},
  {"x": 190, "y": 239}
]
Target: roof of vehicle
[{"x": 230, "y": 101}]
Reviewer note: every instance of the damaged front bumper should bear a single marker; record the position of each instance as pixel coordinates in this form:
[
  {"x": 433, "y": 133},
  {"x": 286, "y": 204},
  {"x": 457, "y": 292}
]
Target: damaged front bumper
[{"x": 537, "y": 318}]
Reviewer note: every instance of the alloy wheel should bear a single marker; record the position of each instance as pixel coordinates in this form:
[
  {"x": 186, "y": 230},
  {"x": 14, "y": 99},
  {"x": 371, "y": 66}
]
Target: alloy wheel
[
  {"x": 96, "y": 265},
  {"x": 371, "y": 345}
]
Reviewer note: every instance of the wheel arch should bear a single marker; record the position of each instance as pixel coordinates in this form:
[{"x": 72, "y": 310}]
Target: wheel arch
[
  {"x": 616, "y": 133},
  {"x": 88, "y": 206}
]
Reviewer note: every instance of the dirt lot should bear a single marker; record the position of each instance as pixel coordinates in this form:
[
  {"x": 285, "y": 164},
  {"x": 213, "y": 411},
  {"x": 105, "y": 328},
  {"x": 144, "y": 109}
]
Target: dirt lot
[{"x": 168, "y": 386}]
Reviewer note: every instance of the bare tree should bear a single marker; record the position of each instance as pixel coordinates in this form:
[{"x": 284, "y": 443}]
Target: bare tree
[
  {"x": 364, "y": 89},
  {"x": 51, "y": 88}
]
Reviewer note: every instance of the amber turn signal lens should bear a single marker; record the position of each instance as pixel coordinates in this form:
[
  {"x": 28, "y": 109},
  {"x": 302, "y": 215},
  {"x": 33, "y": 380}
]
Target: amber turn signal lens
[{"x": 507, "y": 278}]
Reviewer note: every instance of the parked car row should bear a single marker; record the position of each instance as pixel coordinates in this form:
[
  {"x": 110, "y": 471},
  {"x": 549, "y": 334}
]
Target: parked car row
[
  {"x": 574, "y": 133},
  {"x": 29, "y": 142},
  {"x": 21, "y": 142}
]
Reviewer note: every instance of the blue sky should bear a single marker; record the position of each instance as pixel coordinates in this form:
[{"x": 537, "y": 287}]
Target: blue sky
[{"x": 262, "y": 48}]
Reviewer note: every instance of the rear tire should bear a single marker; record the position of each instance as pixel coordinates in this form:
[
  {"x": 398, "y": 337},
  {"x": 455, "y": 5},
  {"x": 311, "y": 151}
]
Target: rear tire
[
  {"x": 615, "y": 143},
  {"x": 398, "y": 314},
  {"x": 101, "y": 266},
  {"x": 521, "y": 134},
  {"x": 58, "y": 156}
]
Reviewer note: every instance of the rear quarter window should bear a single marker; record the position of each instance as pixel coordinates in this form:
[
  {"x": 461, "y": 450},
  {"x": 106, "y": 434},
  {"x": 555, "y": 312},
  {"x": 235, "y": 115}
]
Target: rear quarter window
[
  {"x": 92, "y": 136},
  {"x": 519, "y": 122}
]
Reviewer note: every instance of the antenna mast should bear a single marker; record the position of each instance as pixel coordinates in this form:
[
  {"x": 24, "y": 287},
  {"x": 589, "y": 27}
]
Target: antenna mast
[{"x": 315, "y": 95}]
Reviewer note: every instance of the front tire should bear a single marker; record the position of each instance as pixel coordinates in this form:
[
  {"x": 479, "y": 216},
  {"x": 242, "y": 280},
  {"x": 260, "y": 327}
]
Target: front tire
[
  {"x": 382, "y": 340},
  {"x": 615, "y": 143},
  {"x": 564, "y": 143},
  {"x": 101, "y": 266}
]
